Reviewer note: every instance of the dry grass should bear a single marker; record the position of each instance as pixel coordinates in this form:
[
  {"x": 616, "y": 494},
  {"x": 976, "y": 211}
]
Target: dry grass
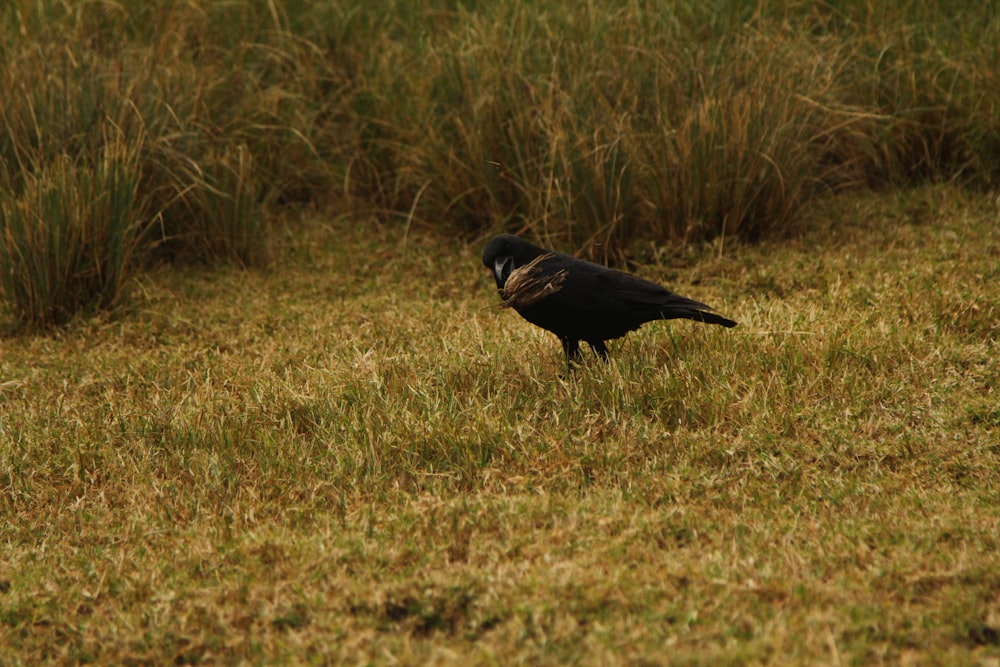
[
  {"x": 524, "y": 287},
  {"x": 356, "y": 458},
  {"x": 69, "y": 238},
  {"x": 592, "y": 126}
]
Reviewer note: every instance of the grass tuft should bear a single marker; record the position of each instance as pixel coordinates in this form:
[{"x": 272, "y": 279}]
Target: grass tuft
[{"x": 70, "y": 235}]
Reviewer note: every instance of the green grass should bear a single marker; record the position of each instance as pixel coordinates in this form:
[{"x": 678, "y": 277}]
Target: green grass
[
  {"x": 69, "y": 240},
  {"x": 357, "y": 457}
]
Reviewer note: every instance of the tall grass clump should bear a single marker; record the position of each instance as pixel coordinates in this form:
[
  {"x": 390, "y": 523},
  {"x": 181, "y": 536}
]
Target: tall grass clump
[
  {"x": 212, "y": 208},
  {"x": 935, "y": 72},
  {"x": 589, "y": 125},
  {"x": 592, "y": 125},
  {"x": 220, "y": 103},
  {"x": 235, "y": 127},
  {"x": 70, "y": 234},
  {"x": 737, "y": 150},
  {"x": 225, "y": 93}
]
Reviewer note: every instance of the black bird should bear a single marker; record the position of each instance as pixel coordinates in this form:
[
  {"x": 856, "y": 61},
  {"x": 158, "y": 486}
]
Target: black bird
[{"x": 578, "y": 300}]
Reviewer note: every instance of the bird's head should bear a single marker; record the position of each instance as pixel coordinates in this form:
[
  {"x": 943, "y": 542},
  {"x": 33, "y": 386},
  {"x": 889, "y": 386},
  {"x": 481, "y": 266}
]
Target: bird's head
[{"x": 507, "y": 252}]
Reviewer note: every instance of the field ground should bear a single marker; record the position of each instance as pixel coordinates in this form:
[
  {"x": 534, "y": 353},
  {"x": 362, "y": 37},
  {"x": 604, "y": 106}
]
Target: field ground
[{"x": 354, "y": 456}]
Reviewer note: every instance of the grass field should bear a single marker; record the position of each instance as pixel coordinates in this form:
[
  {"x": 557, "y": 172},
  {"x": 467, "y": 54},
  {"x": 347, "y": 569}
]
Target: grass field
[
  {"x": 355, "y": 456},
  {"x": 258, "y": 403}
]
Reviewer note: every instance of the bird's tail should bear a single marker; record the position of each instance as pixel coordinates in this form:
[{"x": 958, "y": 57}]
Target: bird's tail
[{"x": 679, "y": 307}]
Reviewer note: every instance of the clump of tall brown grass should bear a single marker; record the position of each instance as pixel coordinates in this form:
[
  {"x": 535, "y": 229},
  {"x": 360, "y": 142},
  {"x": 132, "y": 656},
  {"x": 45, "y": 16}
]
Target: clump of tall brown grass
[
  {"x": 592, "y": 125},
  {"x": 182, "y": 125},
  {"x": 587, "y": 125},
  {"x": 69, "y": 235}
]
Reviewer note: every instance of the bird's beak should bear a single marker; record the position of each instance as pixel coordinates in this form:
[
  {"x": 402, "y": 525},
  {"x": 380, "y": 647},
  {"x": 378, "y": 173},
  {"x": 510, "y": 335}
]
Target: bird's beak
[{"x": 502, "y": 268}]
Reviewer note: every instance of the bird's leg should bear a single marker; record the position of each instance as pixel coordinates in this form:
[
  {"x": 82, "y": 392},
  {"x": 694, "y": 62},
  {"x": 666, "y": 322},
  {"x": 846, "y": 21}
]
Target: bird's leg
[
  {"x": 572, "y": 349},
  {"x": 600, "y": 348}
]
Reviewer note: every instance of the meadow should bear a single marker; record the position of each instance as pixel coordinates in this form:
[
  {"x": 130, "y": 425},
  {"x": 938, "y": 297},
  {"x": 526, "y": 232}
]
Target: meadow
[
  {"x": 258, "y": 402},
  {"x": 357, "y": 457}
]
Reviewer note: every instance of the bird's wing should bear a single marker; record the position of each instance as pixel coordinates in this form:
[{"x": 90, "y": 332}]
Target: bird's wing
[
  {"x": 632, "y": 290},
  {"x": 596, "y": 290},
  {"x": 609, "y": 293},
  {"x": 654, "y": 301}
]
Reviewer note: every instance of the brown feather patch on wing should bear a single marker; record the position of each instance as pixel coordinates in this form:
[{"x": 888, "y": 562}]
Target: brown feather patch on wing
[{"x": 524, "y": 288}]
